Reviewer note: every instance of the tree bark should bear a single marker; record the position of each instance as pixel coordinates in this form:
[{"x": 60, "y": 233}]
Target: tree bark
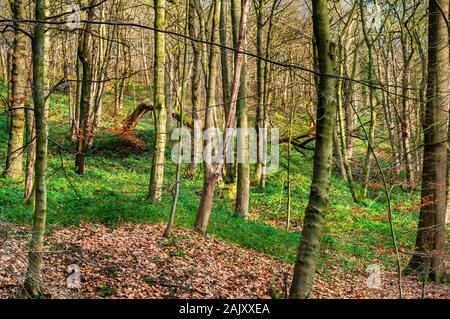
[
  {"x": 243, "y": 166},
  {"x": 259, "y": 89},
  {"x": 213, "y": 172},
  {"x": 159, "y": 111},
  {"x": 308, "y": 251},
  {"x": 18, "y": 97},
  {"x": 372, "y": 102},
  {"x": 428, "y": 258},
  {"x": 33, "y": 284},
  {"x": 229, "y": 171},
  {"x": 210, "y": 177},
  {"x": 85, "y": 96},
  {"x": 31, "y": 155},
  {"x": 196, "y": 83},
  {"x": 266, "y": 94}
]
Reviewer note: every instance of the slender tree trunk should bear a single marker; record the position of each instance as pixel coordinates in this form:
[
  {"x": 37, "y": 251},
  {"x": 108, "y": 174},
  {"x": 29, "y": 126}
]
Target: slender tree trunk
[
  {"x": 340, "y": 111},
  {"x": 31, "y": 155},
  {"x": 144, "y": 59},
  {"x": 266, "y": 94},
  {"x": 103, "y": 52},
  {"x": 85, "y": 97},
  {"x": 259, "y": 90},
  {"x": 347, "y": 167},
  {"x": 196, "y": 89},
  {"x": 406, "y": 124},
  {"x": 338, "y": 159},
  {"x": 33, "y": 284},
  {"x": 348, "y": 108},
  {"x": 210, "y": 178},
  {"x": 159, "y": 110},
  {"x": 3, "y": 66},
  {"x": 76, "y": 120},
  {"x": 18, "y": 97},
  {"x": 243, "y": 169},
  {"x": 68, "y": 86},
  {"x": 213, "y": 172},
  {"x": 168, "y": 231},
  {"x": 170, "y": 74},
  {"x": 428, "y": 258},
  {"x": 289, "y": 181},
  {"x": 9, "y": 58},
  {"x": 308, "y": 251},
  {"x": 372, "y": 103},
  {"x": 243, "y": 166},
  {"x": 229, "y": 171},
  {"x": 388, "y": 115}
]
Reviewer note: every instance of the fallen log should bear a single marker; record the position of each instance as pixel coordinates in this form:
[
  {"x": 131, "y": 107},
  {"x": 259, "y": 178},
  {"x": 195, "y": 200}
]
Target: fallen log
[
  {"x": 132, "y": 120},
  {"x": 300, "y": 142}
]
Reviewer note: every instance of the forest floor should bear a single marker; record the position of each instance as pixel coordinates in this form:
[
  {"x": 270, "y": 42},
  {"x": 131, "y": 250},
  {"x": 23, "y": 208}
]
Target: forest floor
[
  {"x": 134, "y": 261},
  {"x": 114, "y": 233}
]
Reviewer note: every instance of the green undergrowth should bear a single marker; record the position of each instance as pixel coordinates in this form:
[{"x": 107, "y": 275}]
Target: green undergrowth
[{"x": 114, "y": 190}]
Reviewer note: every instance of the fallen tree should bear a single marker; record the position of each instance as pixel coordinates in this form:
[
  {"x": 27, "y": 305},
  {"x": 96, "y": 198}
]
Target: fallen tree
[
  {"x": 300, "y": 142},
  {"x": 132, "y": 120}
]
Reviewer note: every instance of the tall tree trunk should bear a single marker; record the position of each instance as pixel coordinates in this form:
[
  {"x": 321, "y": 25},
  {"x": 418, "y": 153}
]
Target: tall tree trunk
[
  {"x": 406, "y": 123},
  {"x": 243, "y": 166},
  {"x": 159, "y": 110},
  {"x": 288, "y": 177},
  {"x": 338, "y": 159},
  {"x": 196, "y": 89},
  {"x": 9, "y": 58},
  {"x": 266, "y": 95},
  {"x": 85, "y": 97},
  {"x": 103, "y": 52},
  {"x": 259, "y": 89},
  {"x": 210, "y": 177},
  {"x": 33, "y": 284},
  {"x": 168, "y": 230},
  {"x": 18, "y": 97},
  {"x": 372, "y": 101},
  {"x": 31, "y": 155},
  {"x": 229, "y": 171},
  {"x": 213, "y": 172},
  {"x": 79, "y": 75},
  {"x": 170, "y": 87},
  {"x": 428, "y": 258},
  {"x": 308, "y": 251},
  {"x": 388, "y": 115},
  {"x": 340, "y": 109}
]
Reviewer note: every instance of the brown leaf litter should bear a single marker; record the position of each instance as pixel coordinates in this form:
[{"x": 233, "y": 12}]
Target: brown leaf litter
[{"x": 134, "y": 261}]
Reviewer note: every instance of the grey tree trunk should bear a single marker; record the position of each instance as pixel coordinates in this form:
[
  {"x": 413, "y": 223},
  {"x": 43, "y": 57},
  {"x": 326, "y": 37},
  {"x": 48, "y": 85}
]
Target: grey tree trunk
[
  {"x": 85, "y": 132},
  {"x": 214, "y": 172},
  {"x": 31, "y": 156},
  {"x": 259, "y": 89},
  {"x": 266, "y": 93},
  {"x": 168, "y": 230},
  {"x": 372, "y": 102},
  {"x": 196, "y": 84},
  {"x": 210, "y": 177},
  {"x": 309, "y": 248},
  {"x": 159, "y": 110},
  {"x": 229, "y": 171},
  {"x": 243, "y": 166},
  {"x": 33, "y": 284},
  {"x": 18, "y": 96}
]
